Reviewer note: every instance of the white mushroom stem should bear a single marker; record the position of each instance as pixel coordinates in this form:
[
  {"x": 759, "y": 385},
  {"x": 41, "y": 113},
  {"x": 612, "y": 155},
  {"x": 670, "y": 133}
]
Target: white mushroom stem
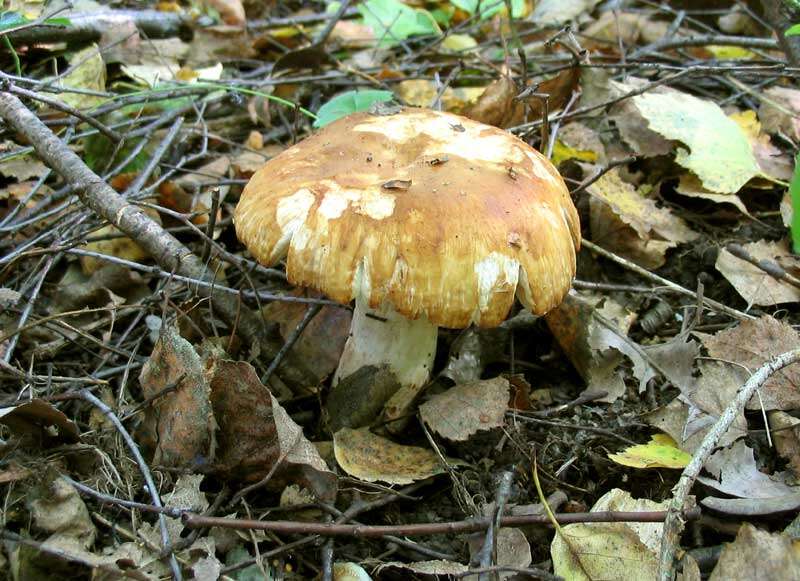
[{"x": 384, "y": 337}]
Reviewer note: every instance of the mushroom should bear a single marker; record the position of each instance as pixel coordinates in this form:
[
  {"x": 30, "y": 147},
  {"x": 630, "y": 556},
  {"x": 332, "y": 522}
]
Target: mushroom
[{"x": 425, "y": 219}]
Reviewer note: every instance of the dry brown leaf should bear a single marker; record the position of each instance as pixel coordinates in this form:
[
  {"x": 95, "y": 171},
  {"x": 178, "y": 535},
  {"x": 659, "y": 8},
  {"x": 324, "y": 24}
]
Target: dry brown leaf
[
  {"x": 496, "y": 105},
  {"x": 422, "y": 93},
  {"x": 40, "y": 421},
  {"x": 757, "y": 554},
  {"x": 467, "y": 408},
  {"x": 780, "y": 111},
  {"x": 632, "y": 225},
  {"x": 689, "y": 185},
  {"x": 751, "y": 344},
  {"x": 786, "y": 435},
  {"x": 178, "y": 425},
  {"x": 628, "y": 28},
  {"x": 320, "y": 346},
  {"x": 254, "y": 432},
  {"x": 574, "y": 327},
  {"x": 231, "y": 11},
  {"x": 756, "y": 286},
  {"x": 735, "y": 473},
  {"x": 373, "y": 458},
  {"x": 772, "y": 161}
]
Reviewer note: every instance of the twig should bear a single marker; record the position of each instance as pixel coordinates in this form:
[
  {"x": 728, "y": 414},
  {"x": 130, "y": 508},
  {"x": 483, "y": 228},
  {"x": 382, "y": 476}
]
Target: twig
[
  {"x": 771, "y": 267},
  {"x": 486, "y": 556},
  {"x": 143, "y": 468},
  {"x": 601, "y": 171},
  {"x": 89, "y": 26},
  {"x": 311, "y": 312},
  {"x": 673, "y": 524},
  {"x": 108, "y": 499},
  {"x": 663, "y": 281},
  {"x": 61, "y": 106},
  {"x": 426, "y": 529}
]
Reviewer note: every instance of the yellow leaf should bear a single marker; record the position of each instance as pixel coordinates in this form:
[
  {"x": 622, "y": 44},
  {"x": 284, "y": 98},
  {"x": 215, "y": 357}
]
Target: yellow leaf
[
  {"x": 459, "y": 42},
  {"x": 661, "y": 452},
  {"x": 730, "y": 52},
  {"x": 562, "y": 152}
]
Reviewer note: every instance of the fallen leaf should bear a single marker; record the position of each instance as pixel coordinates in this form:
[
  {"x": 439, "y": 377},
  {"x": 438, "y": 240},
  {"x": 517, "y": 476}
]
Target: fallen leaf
[
  {"x": 231, "y": 11},
  {"x": 467, "y": 408},
  {"x": 421, "y": 93},
  {"x": 255, "y": 432},
  {"x": 512, "y": 550},
  {"x": 589, "y": 551},
  {"x": 89, "y": 74},
  {"x": 689, "y": 185},
  {"x": 751, "y": 344},
  {"x": 785, "y": 431},
  {"x": 496, "y": 104},
  {"x": 372, "y": 458},
  {"x": 358, "y": 399},
  {"x": 772, "y": 161},
  {"x": 707, "y": 400},
  {"x": 40, "y": 421},
  {"x": 615, "y": 27},
  {"x": 718, "y": 152},
  {"x": 780, "y": 111},
  {"x": 661, "y": 452},
  {"x": 578, "y": 332},
  {"x": 560, "y": 11},
  {"x": 632, "y": 225},
  {"x": 343, "y": 571},
  {"x": 752, "y": 283},
  {"x": 178, "y": 425},
  {"x": 433, "y": 567},
  {"x": 735, "y": 473},
  {"x": 757, "y": 554},
  {"x": 320, "y": 346}
]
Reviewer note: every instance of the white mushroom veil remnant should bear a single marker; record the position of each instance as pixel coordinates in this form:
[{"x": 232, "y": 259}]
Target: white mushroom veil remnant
[{"x": 424, "y": 218}]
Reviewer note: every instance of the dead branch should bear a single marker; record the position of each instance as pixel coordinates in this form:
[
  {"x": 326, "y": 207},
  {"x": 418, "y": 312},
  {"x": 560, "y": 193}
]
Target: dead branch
[
  {"x": 90, "y": 26},
  {"x": 425, "y": 529}
]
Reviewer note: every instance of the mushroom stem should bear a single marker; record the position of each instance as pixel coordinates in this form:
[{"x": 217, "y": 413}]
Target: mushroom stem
[{"x": 384, "y": 337}]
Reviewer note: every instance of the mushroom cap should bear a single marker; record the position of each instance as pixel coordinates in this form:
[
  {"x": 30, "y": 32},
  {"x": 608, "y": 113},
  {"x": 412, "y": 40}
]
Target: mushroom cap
[{"x": 430, "y": 213}]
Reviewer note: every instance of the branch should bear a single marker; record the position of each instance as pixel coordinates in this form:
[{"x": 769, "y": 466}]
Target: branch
[
  {"x": 90, "y": 26},
  {"x": 424, "y": 529}
]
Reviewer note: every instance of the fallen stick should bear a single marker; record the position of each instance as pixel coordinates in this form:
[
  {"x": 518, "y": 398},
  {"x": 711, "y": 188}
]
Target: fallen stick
[{"x": 425, "y": 529}]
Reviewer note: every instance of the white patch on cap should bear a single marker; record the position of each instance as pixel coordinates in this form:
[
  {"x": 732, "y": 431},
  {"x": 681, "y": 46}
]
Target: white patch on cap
[
  {"x": 290, "y": 214},
  {"x": 449, "y": 135},
  {"x": 373, "y": 203},
  {"x": 495, "y": 273},
  {"x": 539, "y": 166}
]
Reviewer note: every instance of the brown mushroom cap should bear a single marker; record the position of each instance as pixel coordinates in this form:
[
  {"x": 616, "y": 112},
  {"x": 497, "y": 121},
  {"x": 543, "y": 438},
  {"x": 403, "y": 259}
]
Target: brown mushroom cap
[{"x": 432, "y": 213}]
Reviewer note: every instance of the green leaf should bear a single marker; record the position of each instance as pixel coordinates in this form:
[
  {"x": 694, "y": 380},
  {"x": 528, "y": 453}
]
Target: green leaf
[
  {"x": 794, "y": 192},
  {"x": 349, "y": 102},
  {"x": 717, "y": 151},
  {"x": 489, "y": 8},
  {"x": 793, "y": 30},
  {"x": 393, "y": 22}
]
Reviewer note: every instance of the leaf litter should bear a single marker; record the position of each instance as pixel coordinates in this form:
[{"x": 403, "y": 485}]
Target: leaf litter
[{"x": 666, "y": 172}]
